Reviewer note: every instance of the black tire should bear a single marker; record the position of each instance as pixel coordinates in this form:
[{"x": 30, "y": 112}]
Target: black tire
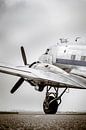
[{"x": 52, "y": 108}]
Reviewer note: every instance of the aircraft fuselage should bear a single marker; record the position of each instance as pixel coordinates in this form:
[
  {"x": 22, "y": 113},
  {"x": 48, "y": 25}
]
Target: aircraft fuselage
[{"x": 67, "y": 57}]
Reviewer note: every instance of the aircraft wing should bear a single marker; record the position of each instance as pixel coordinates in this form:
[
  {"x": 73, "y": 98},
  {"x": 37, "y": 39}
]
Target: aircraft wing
[
  {"x": 59, "y": 79},
  {"x": 79, "y": 71}
]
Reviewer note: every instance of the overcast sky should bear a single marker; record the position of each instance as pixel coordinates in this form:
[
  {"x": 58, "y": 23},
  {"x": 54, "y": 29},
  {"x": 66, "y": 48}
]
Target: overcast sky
[{"x": 36, "y": 25}]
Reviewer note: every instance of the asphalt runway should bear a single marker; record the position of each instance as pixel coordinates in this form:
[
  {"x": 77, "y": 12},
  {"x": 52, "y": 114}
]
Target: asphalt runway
[{"x": 42, "y": 122}]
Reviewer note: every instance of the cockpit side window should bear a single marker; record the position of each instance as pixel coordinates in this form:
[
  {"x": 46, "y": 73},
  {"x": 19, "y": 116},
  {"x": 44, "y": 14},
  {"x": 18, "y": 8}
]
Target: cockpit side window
[{"x": 47, "y": 51}]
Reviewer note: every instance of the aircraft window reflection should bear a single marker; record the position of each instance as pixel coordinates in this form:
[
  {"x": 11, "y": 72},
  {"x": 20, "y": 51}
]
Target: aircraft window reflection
[
  {"x": 73, "y": 57},
  {"x": 83, "y": 58}
]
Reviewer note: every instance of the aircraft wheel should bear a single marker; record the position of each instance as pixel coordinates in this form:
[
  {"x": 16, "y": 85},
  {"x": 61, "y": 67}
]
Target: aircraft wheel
[{"x": 50, "y": 108}]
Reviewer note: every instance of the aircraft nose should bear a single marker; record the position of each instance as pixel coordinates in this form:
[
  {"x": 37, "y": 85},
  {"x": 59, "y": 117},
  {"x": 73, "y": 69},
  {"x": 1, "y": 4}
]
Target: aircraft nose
[
  {"x": 45, "y": 58},
  {"x": 41, "y": 58}
]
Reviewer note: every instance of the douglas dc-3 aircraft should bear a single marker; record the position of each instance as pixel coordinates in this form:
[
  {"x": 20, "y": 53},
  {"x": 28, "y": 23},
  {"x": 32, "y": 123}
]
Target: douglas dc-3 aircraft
[{"x": 61, "y": 66}]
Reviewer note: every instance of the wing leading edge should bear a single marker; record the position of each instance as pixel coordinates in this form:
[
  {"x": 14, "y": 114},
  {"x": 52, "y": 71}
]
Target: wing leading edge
[{"x": 59, "y": 79}]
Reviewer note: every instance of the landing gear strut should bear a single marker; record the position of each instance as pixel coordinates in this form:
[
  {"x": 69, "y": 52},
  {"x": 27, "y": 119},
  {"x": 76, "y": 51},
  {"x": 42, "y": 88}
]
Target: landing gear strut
[{"x": 52, "y": 101}]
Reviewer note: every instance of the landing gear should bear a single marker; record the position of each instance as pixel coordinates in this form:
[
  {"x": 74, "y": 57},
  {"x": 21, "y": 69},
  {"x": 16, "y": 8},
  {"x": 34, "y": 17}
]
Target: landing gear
[
  {"x": 50, "y": 108},
  {"x": 52, "y": 101}
]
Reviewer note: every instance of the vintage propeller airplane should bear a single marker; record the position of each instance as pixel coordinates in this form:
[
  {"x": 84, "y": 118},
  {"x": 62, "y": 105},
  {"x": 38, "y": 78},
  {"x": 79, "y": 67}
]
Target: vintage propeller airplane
[{"x": 61, "y": 66}]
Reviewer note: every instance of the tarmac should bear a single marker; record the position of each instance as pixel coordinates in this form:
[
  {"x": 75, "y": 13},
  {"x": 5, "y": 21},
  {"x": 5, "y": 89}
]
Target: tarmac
[{"x": 39, "y": 121}]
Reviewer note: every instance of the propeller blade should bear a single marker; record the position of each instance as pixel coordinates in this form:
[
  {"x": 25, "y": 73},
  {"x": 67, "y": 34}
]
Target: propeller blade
[
  {"x": 17, "y": 85},
  {"x": 23, "y": 55}
]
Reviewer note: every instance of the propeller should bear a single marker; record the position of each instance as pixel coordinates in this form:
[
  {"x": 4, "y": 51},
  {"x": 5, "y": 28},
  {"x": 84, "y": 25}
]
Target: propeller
[
  {"x": 17, "y": 85},
  {"x": 23, "y": 55},
  {"x": 21, "y": 80}
]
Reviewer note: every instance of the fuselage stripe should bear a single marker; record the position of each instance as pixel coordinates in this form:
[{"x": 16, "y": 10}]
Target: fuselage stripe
[{"x": 70, "y": 62}]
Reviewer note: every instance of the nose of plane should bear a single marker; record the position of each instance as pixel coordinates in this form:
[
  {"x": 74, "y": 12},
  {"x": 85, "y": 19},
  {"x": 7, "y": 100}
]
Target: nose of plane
[
  {"x": 46, "y": 58},
  {"x": 42, "y": 58}
]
